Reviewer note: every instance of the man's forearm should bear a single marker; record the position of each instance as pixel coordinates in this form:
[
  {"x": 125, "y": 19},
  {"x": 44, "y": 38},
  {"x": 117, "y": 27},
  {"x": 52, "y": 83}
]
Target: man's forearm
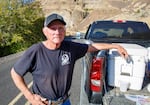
[
  {"x": 105, "y": 46},
  {"x": 21, "y": 85}
]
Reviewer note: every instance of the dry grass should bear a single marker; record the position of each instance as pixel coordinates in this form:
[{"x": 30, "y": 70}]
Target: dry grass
[{"x": 108, "y": 9}]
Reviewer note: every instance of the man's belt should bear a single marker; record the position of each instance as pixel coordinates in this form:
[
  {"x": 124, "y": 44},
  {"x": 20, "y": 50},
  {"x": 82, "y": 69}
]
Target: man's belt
[{"x": 56, "y": 102}]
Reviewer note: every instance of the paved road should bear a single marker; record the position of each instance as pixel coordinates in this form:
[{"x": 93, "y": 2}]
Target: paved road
[{"x": 10, "y": 95}]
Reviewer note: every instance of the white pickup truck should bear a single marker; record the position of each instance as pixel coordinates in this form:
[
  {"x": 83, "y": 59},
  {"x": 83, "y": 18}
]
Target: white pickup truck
[{"x": 108, "y": 79}]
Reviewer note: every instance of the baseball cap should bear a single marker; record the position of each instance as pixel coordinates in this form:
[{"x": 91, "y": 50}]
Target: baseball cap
[{"x": 53, "y": 17}]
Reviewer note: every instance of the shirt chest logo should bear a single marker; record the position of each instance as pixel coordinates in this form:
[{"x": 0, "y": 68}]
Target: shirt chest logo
[{"x": 65, "y": 59}]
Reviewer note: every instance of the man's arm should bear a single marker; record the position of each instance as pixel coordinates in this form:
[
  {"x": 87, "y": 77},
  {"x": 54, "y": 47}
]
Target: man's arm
[
  {"x": 102, "y": 46},
  {"x": 34, "y": 99}
]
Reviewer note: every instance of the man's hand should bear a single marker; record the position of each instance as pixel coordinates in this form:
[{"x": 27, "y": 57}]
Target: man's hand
[
  {"x": 122, "y": 52},
  {"x": 37, "y": 100}
]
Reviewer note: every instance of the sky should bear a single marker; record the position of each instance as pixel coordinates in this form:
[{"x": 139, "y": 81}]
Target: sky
[{"x": 27, "y": 1}]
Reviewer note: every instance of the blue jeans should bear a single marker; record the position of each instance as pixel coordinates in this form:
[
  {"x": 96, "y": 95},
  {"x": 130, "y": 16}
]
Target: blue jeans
[{"x": 67, "y": 102}]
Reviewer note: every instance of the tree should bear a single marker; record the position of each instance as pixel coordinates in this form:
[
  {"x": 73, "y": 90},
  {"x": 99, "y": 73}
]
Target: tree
[{"x": 20, "y": 26}]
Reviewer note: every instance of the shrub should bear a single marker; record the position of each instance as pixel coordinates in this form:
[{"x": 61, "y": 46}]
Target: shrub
[{"x": 20, "y": 26}]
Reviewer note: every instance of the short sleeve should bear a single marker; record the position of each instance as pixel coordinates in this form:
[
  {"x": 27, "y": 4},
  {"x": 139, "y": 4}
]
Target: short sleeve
[
  {"x": 26, "y": 62},
  {"x": 79, "y": 49}
]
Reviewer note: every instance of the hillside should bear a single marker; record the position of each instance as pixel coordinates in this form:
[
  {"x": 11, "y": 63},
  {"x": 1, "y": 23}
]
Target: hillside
[{"x": 80, "y": 13}]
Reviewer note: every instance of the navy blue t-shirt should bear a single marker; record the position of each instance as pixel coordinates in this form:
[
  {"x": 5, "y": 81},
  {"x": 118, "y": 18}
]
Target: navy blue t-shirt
[{"x": 52, "y": 70}]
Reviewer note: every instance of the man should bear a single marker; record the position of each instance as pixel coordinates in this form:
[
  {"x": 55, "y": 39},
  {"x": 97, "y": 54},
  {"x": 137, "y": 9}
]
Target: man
[{"x": 51, "y": 63}]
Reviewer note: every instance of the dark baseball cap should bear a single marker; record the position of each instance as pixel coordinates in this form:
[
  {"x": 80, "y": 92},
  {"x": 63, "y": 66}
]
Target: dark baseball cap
[{"x": 53, "y": 17}]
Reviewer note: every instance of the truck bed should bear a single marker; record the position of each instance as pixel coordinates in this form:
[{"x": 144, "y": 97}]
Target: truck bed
[{"x": 110, "y": 31}]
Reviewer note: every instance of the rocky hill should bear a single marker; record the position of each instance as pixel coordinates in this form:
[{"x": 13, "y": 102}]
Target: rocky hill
[{"x": 80, "y": 13}]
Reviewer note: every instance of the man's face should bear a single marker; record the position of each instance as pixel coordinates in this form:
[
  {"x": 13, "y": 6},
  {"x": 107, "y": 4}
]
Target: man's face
[{"x": 55, "y": 32}]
